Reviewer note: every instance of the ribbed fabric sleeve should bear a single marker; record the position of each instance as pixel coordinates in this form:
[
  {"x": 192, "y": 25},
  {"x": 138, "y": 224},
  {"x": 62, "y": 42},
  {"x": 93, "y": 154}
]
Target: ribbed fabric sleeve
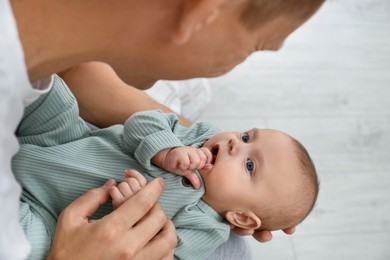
[
  {"x": 52, "y": 121},
  {"x": 147, "y": 133}
]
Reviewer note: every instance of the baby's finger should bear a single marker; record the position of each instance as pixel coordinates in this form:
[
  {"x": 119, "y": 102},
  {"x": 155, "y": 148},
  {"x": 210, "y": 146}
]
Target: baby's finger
[
  {"x": 202, "y": 159},
  {"x": 125, "y": 189},
  {"x": 193, "y": 178},
  {"x": 198, "y": 160},
  {"x": 184, "y": 162},
  {"x": 116, "y": 196},
  {"x": 138, "y": 176},
  {"x": 133, "y": 184},
  {"x": 208, "y": 154},
  {"x": 195, "y": 160}
]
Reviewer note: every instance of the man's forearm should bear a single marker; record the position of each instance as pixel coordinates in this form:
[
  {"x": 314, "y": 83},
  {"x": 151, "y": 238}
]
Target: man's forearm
[{"x": 104, "y": 99}]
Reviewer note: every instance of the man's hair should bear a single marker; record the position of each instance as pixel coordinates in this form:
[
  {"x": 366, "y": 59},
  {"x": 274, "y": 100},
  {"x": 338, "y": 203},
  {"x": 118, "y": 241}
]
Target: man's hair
[
  {"x": 281, "y": 218},
  {"x": 258, "y": 12}
]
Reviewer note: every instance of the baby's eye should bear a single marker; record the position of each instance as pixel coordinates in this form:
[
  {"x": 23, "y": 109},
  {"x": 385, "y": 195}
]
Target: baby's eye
[
  {"x": 250, "y": 166},
  {"x": 245, "y": 137}
]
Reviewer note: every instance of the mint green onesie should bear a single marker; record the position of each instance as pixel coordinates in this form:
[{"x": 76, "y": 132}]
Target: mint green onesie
[{"x": 60, "y": 158}]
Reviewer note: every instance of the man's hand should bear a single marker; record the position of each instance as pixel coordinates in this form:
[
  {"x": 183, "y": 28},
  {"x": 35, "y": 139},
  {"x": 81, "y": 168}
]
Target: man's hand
[
  {"x": 138, "y": 229},
  {"x": 261, "y": 235},
  {"x": 184, "y": 161}
]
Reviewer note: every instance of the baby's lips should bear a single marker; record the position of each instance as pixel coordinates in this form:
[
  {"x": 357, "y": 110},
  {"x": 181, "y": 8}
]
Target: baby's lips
[{"x": 207, "y": 166}]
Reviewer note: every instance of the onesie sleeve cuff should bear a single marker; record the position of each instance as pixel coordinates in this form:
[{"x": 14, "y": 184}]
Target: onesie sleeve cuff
[{"x": 154, "y": 143}]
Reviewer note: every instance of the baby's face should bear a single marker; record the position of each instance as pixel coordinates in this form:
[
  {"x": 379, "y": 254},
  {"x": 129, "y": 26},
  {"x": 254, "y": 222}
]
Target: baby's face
[{"x": 250, "y": 169}]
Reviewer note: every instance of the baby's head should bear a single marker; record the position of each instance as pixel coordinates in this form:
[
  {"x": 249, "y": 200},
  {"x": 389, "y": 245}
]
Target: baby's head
[{"x": 262, "y": 179}]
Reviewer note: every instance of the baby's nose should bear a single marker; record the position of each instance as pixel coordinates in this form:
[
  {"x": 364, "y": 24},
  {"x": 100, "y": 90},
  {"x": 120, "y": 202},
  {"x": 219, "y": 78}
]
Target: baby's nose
[{"x": 232, "y": 146}]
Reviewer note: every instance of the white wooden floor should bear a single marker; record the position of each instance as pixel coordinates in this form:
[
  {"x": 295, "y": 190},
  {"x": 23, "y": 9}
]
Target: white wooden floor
[{"x": 329, "y": 87}]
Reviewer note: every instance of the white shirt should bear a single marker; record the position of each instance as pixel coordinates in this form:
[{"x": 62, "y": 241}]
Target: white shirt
[{"x": 16, "y": 92}]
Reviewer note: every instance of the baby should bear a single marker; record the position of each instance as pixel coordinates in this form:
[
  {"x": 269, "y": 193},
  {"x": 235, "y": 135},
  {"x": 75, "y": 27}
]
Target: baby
[{"x": 261, "y": 178}]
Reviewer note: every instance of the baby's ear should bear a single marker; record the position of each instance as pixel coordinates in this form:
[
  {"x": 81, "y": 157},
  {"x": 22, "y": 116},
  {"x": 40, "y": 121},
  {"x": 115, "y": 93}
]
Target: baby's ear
[
  {"x": 244, "y": 220},
  {"x": 194, "y": 15}
]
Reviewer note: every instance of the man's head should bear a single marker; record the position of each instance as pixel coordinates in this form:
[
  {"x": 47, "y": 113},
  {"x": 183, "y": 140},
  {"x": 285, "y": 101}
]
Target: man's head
[
  {"x": 149, "y": 40},
  {"x": 262, "y": 178},
  {"x": 208, "y": 38}
]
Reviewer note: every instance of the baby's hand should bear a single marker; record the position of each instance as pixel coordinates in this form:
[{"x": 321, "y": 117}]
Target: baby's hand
[
  {"x": 132, "y": 183},
  {"x": 185, "y": 160}
]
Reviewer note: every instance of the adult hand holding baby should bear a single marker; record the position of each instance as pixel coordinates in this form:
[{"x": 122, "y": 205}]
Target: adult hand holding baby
[
  {"x": 260, "y": 235},
  {"x": 138, "y": 229}
]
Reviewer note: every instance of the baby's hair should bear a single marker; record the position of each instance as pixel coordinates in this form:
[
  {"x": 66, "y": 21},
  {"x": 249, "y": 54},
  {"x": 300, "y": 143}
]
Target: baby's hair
[
  {"x": 278, "y": 218},
  {"x": 258, "y": 12},
  {"x": 309, "y": 171}
]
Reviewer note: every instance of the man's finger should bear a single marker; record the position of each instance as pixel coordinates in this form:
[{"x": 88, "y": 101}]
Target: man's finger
[
  {"x": 143, "y": 231},
  {"x": 162, "y": 244},
  {"x": 87, "y": 204},
  {"x": 169, "y": 256},
  {"x": 289, "y": 231},
  {"x": 133, "y": 209},
  {"x": 263, "y": 236},
  {"x": 150, "y": 224},
  {"x": 242, "y": 232}
]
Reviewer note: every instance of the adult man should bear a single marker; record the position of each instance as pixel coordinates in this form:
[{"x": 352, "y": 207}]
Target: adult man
[{"x": 143, "y": 41}]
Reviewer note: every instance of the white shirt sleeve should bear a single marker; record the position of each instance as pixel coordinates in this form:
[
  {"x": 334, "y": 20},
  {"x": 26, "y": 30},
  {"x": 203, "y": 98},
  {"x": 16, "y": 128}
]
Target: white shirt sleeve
[{"x": 16, "y": 92}]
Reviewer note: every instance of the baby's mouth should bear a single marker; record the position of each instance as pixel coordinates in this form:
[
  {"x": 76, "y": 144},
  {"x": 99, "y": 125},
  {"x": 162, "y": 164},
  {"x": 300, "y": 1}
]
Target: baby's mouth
[{"x": 214, "y": 152}]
